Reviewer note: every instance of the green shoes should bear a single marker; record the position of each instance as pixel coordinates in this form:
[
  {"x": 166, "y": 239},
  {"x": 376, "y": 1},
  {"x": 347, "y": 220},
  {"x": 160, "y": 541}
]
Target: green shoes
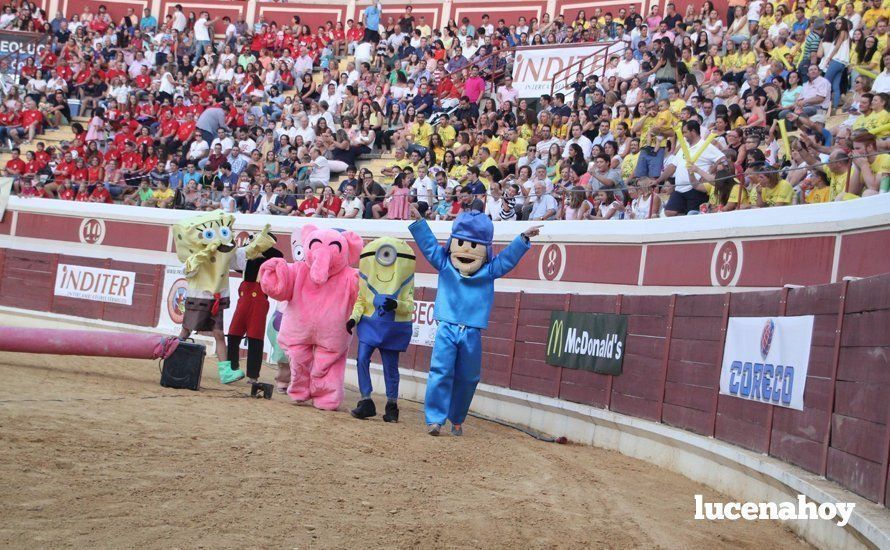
[{"x": 226, "y": 374}]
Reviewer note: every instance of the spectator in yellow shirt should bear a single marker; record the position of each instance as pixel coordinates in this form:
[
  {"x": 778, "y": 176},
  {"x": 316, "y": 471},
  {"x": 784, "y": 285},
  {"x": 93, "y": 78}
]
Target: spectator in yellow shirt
[
  {"x": 768, "y": 190},
  {"x": 869, "y": 167},
  {"x": 395, "y": 167},
  {"x": 446, "y": 131},
  {"x": 516, "y": 147},
  {"x": 419, "y": 137},
  {"x": 820, "y": 191},
  {"x": 675, "y": 101},
  {"x": 163, "y": 196}
]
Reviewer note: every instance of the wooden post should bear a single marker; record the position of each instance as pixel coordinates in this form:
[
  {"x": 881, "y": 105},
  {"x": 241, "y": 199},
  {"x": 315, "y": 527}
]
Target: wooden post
[
  {"x": 102, "y": 304},
  {"x": 566, "y": 307},
  {"x": 160, "y": 272},
  {"x": 667, "y": 354},
  {"x": 516, "y": 309},
  {"x": 835, "y": 360},
  {"x": 724, "y": 326},
  {"x": 619, "y": 299},
  {"x": 783, "y": 307},
  {"x": 53, "y": 269}
]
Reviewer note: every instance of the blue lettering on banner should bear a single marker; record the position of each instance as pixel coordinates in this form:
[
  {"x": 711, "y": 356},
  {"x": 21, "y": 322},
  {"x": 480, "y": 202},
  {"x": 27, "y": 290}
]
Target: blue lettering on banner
[
  {"x": 761, "y": 382},
  {"x": 734, "y": 371},
  {"x": 755, "y": 384},
  {"x": 767, "y": 382},
  {"x": 777, "y": 384},
  {"x": 788, "y": 385}
]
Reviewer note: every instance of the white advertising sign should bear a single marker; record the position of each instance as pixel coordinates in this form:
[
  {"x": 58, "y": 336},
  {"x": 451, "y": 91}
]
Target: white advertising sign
[
  {"x": 424, "y": 329},
  {"x": 173, "y": 303},
  {"x": 535, "y": 67},
  {"x": 765, "y": 359},
  {"x": 95, "y": 283}
]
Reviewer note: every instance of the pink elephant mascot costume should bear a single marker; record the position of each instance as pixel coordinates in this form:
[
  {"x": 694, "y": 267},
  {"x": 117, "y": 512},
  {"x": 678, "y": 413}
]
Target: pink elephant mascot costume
[{"x": 320, "y": 293}]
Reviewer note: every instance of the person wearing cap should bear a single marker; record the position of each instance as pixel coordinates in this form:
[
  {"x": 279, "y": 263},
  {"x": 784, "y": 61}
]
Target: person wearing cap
[{"x": 467, "y": 270}]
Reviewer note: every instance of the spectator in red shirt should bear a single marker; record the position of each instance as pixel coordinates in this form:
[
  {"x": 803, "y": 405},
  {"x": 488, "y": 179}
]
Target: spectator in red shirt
[
  {"x": 309, "y": 204},
  {"x": 330, "y": 204},
  {"x": 79, "y": 174},
  {"x": 67, "y": 192},
  {"x": 32, "y": 166},
  {"x": 31, "y": 121},
  {"x": 83, "y": 194},
  {"x": 101, "y": 194},
  {"x": 14, "y": 168},
  {"x": 33, "y": 189},
  {"x": 167, "y": 130},
  {"x": 62, "y": 172},
  {"x": 95, "y": 171}
]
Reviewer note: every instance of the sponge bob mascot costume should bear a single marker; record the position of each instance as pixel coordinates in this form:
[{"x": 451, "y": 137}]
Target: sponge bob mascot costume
[
  {"x": 205, "y": 244},
  {"x": 320, "y": 294},
  {"x": 467, "y": 270},
  {"x": 383, "y": 315}
]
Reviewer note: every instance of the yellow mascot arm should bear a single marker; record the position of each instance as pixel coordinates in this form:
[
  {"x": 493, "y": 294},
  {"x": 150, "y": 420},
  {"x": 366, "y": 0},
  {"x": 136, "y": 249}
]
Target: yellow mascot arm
[
  {"x": 406, "y": 303},
  {"x": 194, "y": 262},
  {"x": 360, "y": 304},
  {"x": 260, "y": 243}
]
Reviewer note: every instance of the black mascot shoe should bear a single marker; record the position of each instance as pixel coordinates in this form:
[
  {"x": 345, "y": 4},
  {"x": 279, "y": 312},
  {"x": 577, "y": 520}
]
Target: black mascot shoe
[
  {"x": 365, "y": 409},
  {"x": 392, "y": 412}
]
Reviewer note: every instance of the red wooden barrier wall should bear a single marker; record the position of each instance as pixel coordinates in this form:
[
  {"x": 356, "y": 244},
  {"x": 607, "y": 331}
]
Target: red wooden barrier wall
[
  {"x": 671, "y": 367},
  {"x": 28, "y": 281},
  {"x": 672, "y": 370}
]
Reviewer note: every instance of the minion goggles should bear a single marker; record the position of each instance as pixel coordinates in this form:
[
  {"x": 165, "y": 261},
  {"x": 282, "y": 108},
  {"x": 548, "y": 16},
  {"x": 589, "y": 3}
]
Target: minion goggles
[{"x": 386, "y": 255}]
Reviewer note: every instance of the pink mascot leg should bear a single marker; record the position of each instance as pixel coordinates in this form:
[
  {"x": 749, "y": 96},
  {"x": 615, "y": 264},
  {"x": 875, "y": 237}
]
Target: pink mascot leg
[
  {"x": 326, "y": 385},
  {"x": 300, "y": 363}
]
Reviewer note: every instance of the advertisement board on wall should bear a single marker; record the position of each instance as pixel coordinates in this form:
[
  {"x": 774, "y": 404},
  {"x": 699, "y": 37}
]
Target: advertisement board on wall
[
  {"x": 535, "y": 67},
  {"x": 587, "y": 341},
  {"x": 765, "y": 359},
  {"x": 16, "y": 47},
  {"x": 423, "y": 333},
  {"x": 95, "y": 284}
]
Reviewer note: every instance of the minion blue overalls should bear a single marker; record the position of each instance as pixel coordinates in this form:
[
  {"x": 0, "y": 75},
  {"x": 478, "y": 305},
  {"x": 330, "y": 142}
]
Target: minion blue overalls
[
  {"x": 382, "y": 332},
  {"x": 463, "y": 306}
]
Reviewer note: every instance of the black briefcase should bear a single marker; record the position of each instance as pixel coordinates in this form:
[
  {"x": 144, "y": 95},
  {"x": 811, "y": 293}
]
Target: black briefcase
[{"x": 183, "y": 368}]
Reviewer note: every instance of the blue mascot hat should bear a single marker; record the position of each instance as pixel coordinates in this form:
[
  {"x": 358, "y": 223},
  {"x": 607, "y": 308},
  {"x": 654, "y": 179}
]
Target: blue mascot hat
[{"x": 475, "y": 227}]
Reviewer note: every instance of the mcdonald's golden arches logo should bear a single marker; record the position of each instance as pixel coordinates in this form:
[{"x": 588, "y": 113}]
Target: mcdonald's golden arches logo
[{"x": 557, "y": 335}]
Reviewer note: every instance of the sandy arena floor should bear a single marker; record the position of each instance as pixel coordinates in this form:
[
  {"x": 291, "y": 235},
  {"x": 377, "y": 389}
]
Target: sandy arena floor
[{"x": 95, "y": 454}]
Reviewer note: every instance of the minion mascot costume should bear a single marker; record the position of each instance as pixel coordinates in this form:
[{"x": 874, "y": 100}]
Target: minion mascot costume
[
  {"x": 204, "y": 243},
  {"x": 467, "y": 270},
  {"x": 383, "y": 314}
]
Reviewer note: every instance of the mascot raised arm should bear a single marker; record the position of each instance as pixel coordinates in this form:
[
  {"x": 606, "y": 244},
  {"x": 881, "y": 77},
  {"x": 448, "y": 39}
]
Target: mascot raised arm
[
  {"x": 205, "y": 244},
  {"x": 467, "y": 270}
]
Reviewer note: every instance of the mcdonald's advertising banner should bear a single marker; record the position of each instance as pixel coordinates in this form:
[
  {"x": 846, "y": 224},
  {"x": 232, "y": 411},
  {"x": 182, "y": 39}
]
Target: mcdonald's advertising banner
[{"x": 587, "y": 341}]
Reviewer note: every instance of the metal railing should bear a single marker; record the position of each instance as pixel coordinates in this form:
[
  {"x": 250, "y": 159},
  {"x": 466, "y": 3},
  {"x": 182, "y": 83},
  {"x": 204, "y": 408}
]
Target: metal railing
[{"x": 594, "y": 63}]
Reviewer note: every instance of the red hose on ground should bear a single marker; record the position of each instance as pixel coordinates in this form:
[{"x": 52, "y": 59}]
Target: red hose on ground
[{"x": 91, "y": 343}]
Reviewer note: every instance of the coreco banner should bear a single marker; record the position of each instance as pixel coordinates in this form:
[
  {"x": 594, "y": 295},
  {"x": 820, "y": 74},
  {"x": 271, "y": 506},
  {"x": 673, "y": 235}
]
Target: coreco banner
[
  {"x": 765, "y": 359},
  {"x": 587, "y": 341}
]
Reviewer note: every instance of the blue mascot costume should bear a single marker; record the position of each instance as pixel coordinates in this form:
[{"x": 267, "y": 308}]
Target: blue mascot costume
[{"x": 467, "y": 270}]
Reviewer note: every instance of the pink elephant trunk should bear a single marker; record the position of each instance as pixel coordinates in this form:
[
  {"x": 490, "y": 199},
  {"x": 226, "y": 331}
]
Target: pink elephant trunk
[{"x": 321, "y": 263}]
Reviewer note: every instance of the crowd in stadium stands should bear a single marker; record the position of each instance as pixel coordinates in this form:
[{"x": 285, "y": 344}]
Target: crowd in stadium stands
[{"x": 258, "y": 119}]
